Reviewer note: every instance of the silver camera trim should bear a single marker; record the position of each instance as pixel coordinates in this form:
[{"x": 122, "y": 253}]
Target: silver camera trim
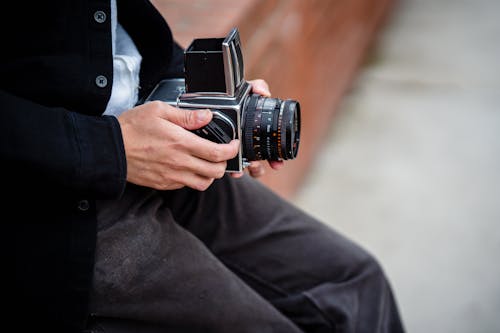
[{"x": 233, "y": 65}]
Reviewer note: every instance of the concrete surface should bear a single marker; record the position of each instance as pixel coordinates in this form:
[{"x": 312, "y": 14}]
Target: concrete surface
[{"x": 411, "y": 167}]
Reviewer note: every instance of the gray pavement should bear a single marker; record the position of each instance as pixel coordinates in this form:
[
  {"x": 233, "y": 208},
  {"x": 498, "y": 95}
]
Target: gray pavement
[{"x": 411, "y": 168}]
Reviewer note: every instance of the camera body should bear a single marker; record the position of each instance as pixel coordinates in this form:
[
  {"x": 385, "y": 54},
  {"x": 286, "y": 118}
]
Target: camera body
[{"x": 214, "y": 79}]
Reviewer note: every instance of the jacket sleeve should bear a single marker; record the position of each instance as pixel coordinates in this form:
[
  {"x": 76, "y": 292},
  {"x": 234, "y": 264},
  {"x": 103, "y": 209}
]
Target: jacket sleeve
[{"x": 68, "y": 150}]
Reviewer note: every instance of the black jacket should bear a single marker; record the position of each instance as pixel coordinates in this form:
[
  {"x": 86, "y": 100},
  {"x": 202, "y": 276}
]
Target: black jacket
[{"x": 58, "y": 154}]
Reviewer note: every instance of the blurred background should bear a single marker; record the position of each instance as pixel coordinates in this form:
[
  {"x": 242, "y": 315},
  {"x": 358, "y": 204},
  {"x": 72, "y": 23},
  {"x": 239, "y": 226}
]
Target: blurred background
[
  {"x": 411, "y": 166},
  {"x": 400, "y": 145}
]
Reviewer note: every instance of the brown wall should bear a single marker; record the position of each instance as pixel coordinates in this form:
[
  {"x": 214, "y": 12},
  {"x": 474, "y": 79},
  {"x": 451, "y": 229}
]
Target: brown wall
[{"x": 308, "y": 50}]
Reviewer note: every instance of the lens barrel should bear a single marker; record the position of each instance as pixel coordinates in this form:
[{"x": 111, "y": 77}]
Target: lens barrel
[{"x": 271, "y": 129}]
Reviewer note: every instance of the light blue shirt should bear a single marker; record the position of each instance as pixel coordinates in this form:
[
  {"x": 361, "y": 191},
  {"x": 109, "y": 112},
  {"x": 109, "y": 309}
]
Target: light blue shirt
[{"x": 126, "y": 67}]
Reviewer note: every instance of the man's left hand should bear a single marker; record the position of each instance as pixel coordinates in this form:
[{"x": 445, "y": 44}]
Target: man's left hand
[{"x": 256, "y": 168}]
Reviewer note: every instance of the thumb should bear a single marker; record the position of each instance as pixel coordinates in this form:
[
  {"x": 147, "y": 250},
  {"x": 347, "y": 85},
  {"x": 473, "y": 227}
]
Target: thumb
[{"x": 189, "y": 119}]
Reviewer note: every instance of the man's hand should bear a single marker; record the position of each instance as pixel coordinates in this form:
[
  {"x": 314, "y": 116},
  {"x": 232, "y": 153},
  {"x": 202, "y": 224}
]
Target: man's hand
[
  {"x": 256, "y": 168},
  {"x": 163, "y": 154}
]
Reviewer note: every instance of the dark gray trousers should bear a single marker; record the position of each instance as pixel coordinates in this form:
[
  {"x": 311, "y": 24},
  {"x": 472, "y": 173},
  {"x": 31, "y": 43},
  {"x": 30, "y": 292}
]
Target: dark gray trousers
[{"x": 235, "y": 258}]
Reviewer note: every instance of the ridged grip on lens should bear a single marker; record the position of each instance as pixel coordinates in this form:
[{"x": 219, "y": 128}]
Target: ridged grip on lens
[{"x": 271, "y": 129}]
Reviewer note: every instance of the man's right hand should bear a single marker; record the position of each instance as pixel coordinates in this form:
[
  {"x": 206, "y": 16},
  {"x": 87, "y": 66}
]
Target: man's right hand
[{"x": 163, "y": 154}]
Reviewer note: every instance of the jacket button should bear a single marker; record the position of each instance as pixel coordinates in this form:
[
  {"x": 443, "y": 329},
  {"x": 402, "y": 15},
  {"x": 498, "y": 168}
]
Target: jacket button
[
  {"x": 83, "y": 205},
  {"x": 100, "y": 16},
  {"x": 101, "y": 81}
]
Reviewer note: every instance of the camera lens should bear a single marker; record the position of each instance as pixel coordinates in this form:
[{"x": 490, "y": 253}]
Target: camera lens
[{"x": 271, "y": 129}]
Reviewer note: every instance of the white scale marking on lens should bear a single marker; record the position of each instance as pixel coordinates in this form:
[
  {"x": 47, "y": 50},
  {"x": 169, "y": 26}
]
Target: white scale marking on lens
[{"x": 282, "y": 138}]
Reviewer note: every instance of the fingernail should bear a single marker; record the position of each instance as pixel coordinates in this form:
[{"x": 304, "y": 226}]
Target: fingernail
[
  {"x": 202, "y": 116},
  {"x": 236, "y": 174}
]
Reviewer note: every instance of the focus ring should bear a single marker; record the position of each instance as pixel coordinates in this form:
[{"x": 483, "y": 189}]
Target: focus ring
[{"x": 248, "y": 144}]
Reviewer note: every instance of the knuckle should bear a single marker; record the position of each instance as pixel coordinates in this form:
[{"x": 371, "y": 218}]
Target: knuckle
[
  {"x": 188, "y": 118},
  {"x": 216, "y": 154},
  {"x": 160, "y": 185},
  {"x": 221, "y": 170},
  {"x": 203, "y": 185},
  {"x": 162, "y": 182},
  {"x": 156, "y": 105}
]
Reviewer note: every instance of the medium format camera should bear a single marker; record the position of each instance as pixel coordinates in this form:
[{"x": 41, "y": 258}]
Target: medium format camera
[{"x": 268, "y": 128}]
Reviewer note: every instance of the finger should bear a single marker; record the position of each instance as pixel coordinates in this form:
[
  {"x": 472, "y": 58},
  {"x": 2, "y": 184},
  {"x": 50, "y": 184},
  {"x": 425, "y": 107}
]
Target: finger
[
  {"x": 194, "y": 181},
  {"x": 170, "y": 186},
  {"x": 276, "y": 165},
  {"x": 256, "y": 169},
  {"x": 214, "y": 152},
  {"x": 188, "y": 119},
  {"x": 260, "y": 87},
  {"x": 236, "y": 174},
  {"x": 205, "y": 168}
]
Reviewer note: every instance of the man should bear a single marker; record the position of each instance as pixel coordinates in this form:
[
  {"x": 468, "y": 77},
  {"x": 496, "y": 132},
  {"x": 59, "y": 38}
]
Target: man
[{"x": 122, "y": 220}]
